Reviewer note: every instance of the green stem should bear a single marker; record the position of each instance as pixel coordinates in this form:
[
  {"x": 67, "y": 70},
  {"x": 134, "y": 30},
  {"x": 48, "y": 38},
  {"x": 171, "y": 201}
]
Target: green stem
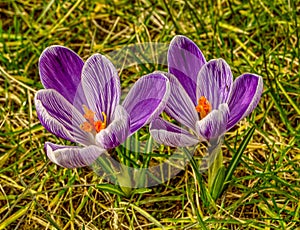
[
  {"x": 214, "y": 169},
  {"x": 124, "y": 180}
]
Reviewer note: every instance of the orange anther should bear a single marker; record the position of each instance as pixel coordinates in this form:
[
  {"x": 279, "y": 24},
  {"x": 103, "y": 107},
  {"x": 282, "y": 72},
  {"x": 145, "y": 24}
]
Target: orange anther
[
  {"x": 86, "y": 126},
  {"x": 89, "y": 114},
  {"x": 90, "y": 125},
  {"x": 203, "y": 107}
]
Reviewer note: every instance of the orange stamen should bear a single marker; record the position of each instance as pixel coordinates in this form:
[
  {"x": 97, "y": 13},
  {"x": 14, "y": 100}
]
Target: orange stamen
[
  {"x": 86, "y": 126},
  {"x": 203, "y": 107},
  {"x": 89, "y": 114},
  {"x": 99, "y": 125},
  {"x": 90, "y": 125}
]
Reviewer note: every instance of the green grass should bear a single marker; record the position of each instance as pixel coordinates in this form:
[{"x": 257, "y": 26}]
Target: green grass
[{"x": 258, "y": 36}]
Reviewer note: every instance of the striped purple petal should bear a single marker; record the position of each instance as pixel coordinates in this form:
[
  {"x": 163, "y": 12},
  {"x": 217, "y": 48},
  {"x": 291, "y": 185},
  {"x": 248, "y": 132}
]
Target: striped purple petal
[
  {"x": 60, "y": 69},
  {"x": 214, "y": 124},
  {"x": 180, "y": 105},
  {"x": 116, "y": 132},
  {"x": 73, "y": 156},
  {"x": 146, "y": 99},
  {"x": 166, "y": 133},
  {"x": 185, "y": 60},
  {"x": 101, "y": 86},
  {"x": 245, "y": 95},
  {"x": 60, "y": 117},
  {"x": 214, "y": 82}
]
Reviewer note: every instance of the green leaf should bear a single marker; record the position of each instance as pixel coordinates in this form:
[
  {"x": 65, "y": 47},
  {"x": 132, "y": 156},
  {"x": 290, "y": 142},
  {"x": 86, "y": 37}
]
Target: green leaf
[
  {"x": 218, "y": 183},
  {"x": 103, "y": 164},
  {"x": 204, "y": 194},
  {"x": 114, "y": 189},
  {"x": 236, "y": 158},
  {"x": 142, "y": 179},
  {"x": 141, "y": 191},
  {"x": 214, "y": 161}
]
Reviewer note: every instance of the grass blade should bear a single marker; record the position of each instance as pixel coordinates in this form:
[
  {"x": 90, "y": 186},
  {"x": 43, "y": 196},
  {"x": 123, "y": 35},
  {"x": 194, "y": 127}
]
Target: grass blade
[
  {"x": 14, "y": 217},
  {"x": 114, "y": 189},
  {"x": 236, "y": 158}
]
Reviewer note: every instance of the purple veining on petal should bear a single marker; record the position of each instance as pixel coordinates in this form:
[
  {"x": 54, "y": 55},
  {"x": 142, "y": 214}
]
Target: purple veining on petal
[
  {"x": 185, "y": 60},
  {"x": 146, "y": 99},
  {"x": 60, "y": 117},
  {"x": 73, "y": 156},
  {"x": 60, "y": 69},
  {"x": 214, "y": 124},
  {"x": 214, "y": 82},
  {"x": 245, "y": 95},
  {"x": 116, "y": 132},
  {"x": 180, "y": 105},
  {"x": 169, "y": 134},
  {"x": 101, "y": 85}
]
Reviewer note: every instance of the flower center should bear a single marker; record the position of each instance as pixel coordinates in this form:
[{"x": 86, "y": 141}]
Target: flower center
[
  {"x": 203, "y": 107},
  {"x": 90, "y": 125}
]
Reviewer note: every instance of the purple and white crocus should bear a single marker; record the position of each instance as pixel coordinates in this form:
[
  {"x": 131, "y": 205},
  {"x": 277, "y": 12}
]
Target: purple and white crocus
[
  {"x": 204, "y": 98},
  {"x": 81, "y": 103}
]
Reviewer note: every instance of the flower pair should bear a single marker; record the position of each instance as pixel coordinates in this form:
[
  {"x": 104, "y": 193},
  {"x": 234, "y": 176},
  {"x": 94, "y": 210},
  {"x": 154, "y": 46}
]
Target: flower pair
[{"x": 81, "y": 101}]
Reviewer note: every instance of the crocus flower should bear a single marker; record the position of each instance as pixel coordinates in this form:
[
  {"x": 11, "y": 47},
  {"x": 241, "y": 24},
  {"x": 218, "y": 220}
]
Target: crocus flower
[
  {"x": 80, "y": 103},
  {"x": 204, "y": 98}
]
